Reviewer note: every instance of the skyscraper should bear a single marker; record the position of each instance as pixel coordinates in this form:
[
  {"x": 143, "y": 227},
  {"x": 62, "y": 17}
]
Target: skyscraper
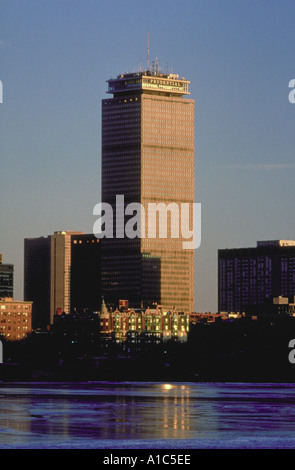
[
  {"x": 85, "y": 272},
  {"x": 249, "y": 278},
  {"x": 61, "y": 272},
  {"x": 148, "y": 157},
  {"x": 6, "y": 279},
  {"x": 37, "y": 278}
]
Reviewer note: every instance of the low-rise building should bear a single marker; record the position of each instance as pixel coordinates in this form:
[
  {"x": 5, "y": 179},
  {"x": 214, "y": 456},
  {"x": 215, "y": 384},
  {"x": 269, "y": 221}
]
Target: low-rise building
[
  {"x": 282, "y": 305},
  {"x": 208, "y": 317},
  {"x": 15, "y": 318}
]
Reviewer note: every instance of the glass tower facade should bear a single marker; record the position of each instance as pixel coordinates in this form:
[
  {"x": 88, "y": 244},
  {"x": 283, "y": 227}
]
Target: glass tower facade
[
  {"x": 6, "y": 279},
  {"x": 148, "y": 157}
]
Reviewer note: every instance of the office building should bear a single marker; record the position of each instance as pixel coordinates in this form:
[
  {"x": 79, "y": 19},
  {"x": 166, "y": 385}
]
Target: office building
[
  {"x": 6, "y": 279},
  {"x": 61, "y": 273},
  {"x": 250, "y": 278},
  {"x": 85, "y": 272},
  {"x": 37, "y": 279},
  {"x": 148, "y": 157}
]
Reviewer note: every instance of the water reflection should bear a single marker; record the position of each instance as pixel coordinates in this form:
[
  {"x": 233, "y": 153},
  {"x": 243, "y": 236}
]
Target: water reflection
[
  {"x": 71, "y": 412},
  {"x": 176, "y": 416},
  {"x": 161, "y": 411}
]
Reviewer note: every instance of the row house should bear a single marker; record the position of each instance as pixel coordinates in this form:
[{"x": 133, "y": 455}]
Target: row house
[{"x": 132, "y": 324}]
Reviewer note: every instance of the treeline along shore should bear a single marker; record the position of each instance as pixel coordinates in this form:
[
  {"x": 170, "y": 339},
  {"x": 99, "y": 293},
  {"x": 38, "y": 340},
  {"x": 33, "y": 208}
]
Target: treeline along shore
[{"x": 239, "y": 350}]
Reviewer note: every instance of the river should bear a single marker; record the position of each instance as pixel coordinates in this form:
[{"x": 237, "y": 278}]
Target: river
[{"x": 148, "y": 415}]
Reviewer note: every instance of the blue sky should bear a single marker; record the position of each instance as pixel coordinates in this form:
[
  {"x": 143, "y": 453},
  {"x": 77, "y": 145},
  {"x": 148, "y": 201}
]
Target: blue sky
[{"x": 55, "y": 59}]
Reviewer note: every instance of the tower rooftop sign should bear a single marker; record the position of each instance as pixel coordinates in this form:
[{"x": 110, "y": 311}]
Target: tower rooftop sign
[
  {"x": 276, "y": 243},
  {"x": 147, "y": 81}
]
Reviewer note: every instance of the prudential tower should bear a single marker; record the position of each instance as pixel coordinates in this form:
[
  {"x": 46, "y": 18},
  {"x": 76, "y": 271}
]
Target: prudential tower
[{"x": 148, "y": 157}]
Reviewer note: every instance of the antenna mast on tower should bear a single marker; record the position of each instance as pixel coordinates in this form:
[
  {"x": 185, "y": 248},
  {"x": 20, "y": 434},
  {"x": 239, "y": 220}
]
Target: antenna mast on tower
[{"x": 148, "y": 52}]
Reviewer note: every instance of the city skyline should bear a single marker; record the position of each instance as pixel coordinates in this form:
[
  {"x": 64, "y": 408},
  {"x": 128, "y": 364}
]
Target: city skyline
[{"x": 238, "y": 59}]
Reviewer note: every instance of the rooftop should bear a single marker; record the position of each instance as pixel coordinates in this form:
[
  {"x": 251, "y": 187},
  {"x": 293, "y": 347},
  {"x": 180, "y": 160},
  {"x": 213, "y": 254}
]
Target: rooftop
[
  {"x": 276, "y": 243},
  {"x": 152, "y": 81}
]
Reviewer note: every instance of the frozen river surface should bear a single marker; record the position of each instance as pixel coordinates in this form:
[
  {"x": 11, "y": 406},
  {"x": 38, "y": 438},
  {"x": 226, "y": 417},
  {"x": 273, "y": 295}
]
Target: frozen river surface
[{"x": 146, "y": 415}]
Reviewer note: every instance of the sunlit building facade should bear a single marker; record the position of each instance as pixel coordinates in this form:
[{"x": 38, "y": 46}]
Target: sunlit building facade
[
  {"x": 15, "y": 319},
  {"x": 148, "y": 157},
  {"x": 136, "y": 325}
]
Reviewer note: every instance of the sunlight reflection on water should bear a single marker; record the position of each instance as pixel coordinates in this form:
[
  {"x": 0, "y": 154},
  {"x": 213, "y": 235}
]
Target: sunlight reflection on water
[{"x": 88, "y": 414}]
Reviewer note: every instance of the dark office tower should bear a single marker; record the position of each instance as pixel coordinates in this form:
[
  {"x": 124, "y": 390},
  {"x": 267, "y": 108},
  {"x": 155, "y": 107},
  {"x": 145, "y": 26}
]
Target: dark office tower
[
  {"x": 37, "y": 279},
  {"x": 249, "y": 278},
  {"x": 61, "y": 271},
  {"x": 148, "y": 157},
  {"x": 85, "y": 272},
  {"x": 6, "y": 279}
]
